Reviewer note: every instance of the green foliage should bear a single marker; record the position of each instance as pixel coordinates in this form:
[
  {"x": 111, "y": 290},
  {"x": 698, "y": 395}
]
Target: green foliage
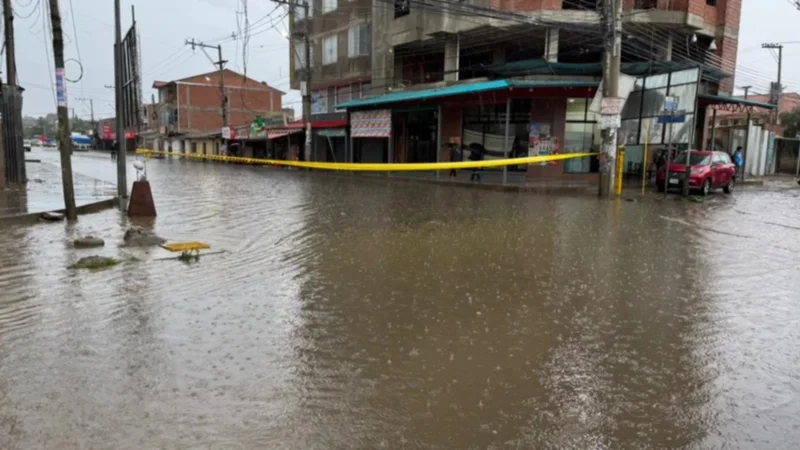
[
  {"x": 94, "y": 262},
  {"x": 791, "y": 121}
]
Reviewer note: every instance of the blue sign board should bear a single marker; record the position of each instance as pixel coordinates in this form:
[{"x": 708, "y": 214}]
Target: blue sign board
[{"x": 677, "y": 118}]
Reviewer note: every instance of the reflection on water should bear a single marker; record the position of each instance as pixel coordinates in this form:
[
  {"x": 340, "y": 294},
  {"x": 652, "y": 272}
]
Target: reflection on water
[{"x": 352, "y": 313}]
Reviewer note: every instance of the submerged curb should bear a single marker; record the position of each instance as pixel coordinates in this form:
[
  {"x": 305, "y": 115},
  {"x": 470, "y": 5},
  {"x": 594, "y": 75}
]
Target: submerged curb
[{"x": 88, "y": 208}]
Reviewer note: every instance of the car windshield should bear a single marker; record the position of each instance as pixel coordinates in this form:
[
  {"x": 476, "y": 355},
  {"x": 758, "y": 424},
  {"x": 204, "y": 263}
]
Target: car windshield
[{"x": 698, "y": 159}]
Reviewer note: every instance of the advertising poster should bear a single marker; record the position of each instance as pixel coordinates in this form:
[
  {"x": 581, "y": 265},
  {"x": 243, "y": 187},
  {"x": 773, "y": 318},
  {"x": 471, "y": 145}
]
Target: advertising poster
[
  {"x": 541, "y": 142},
  {"x": 61, "y": 88}
]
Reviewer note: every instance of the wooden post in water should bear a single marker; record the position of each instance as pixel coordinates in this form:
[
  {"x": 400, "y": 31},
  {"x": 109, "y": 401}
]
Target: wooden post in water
[{"x": 64, "y": 140}]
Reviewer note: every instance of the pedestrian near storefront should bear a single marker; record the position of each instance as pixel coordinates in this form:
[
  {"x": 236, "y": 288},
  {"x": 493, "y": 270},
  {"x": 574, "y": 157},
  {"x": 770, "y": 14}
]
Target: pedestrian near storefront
[
  {"x": 476, "y": 152},
  {"x": 738, "y": 160},
  {"x": 455, "y": 156}
]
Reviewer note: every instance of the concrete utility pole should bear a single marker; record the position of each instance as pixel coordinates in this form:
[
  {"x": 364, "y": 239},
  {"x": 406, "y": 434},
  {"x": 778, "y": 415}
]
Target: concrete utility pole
[
  {"x": 307, "y": 91},
  {"x": 119, "y": 82},
  {"x": 64, "y": 140},
  {"x": 91, "y": 106},
  {"x": 778, "y": 87},
  {"x": 612, "y": 31},
  {"x": 221, "y": 63},
  {"x": 746, "y": 133},
  {"x": 305, "y": 85},
  {"x": 8, "y": 27}
]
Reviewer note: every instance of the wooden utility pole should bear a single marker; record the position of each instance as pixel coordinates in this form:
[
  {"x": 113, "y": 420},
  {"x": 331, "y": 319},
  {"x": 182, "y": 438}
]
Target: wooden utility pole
[
  {"x": 11, "y": 62},
  {"x": 64, "y": 140},
  {"x": 221, "y": 63}
]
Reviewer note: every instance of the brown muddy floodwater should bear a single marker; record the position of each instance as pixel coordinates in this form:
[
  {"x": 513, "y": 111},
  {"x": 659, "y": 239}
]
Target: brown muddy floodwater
[{"x": 363, "y": 314}]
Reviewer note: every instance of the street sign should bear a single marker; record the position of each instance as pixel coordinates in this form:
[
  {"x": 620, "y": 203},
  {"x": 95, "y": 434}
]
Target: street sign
[
  {"x": 674, "y": 117},
  {"x": 671, "y": 103},
  {"x": 226, "y": 132},
  {"x": 611, "y": 105}
]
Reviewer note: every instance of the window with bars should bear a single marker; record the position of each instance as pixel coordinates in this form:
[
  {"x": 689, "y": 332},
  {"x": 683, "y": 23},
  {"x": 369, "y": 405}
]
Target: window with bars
[
  {"x": 330, "y": 50},
  {"x": 358, "y": 41}
]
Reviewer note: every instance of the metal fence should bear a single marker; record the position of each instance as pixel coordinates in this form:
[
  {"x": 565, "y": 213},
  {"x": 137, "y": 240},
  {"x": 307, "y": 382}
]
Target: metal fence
[{"x": 13, "y": 149}]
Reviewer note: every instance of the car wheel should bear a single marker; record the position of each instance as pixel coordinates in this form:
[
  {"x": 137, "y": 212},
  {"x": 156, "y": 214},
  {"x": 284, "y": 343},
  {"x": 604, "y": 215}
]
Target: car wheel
[
  {"x": 660, "y": 187},
  {"x": 728, "y": 187},
  {"x": 706, "y": 187}
]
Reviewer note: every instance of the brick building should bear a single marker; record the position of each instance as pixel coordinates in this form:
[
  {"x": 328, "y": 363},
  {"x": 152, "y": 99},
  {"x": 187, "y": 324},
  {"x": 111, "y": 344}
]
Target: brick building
[{"x": 193, "y": 105}]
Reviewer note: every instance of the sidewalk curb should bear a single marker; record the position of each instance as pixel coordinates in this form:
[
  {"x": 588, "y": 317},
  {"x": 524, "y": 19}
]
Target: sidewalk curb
[{"x": 88, "y": 208}]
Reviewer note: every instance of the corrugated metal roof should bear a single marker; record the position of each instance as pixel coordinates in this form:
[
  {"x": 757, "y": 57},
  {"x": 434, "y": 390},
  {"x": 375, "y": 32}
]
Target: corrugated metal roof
[
  {"x": 722, "y": 99},
  {"x": 459, "y": 89}
]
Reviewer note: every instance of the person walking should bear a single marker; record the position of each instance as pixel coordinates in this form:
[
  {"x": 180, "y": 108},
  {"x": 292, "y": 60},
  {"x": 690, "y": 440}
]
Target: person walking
[
  {"x": 476, "y": 152},
  {"x": 114, "y": 148},
  {"x": 455, "y": 156},
  {"x": 738, "y": 160}
]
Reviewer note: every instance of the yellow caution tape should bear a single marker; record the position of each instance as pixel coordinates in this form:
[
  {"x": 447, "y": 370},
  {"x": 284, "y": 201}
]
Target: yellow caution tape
[{"x": 376, "y": 167}]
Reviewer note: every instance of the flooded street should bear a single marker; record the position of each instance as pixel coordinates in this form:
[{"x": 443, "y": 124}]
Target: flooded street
[{"x": 361, "y": 313}]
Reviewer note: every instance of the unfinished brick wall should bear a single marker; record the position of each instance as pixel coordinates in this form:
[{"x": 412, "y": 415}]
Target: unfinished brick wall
[{"x": 200, "y": 101}]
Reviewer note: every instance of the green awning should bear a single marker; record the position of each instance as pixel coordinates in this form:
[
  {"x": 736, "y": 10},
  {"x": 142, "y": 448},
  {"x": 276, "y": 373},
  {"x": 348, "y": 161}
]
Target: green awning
[
  {"x": 461, "y": 89},
  {"x": 728, "y": 100}
]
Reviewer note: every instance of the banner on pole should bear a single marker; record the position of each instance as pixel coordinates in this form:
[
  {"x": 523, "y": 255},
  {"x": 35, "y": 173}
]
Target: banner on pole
[{"x": 61, "y": 88}]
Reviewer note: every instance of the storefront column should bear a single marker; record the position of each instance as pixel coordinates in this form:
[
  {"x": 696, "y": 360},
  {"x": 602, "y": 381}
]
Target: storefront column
[
  {"x": 390, "y": 150},
  {"x": 452, "y": 53},
  {"x": 713, "y": 128},
  {"x": 438, "y": 137},
  {"x": 505, "y": 141},
  {"x": 551, "y": 44},
  {"x": 668, "y": 50}
]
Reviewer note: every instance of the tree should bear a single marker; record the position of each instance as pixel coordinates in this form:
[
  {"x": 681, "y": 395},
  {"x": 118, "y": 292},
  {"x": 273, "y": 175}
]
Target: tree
[{"x": 791, "y": 123}]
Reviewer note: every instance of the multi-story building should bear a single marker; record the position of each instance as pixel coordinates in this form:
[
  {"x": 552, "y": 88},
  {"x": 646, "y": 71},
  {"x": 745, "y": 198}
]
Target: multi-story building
[
  {"x": 445, "y": 73},
  {"x": 339, "y": 34}
]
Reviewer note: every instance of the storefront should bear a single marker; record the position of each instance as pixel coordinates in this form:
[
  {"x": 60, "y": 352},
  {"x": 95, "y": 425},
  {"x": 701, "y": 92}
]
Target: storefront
[
  {"x": 371, "y": 136},
  {"x": 500, "y": 119}
]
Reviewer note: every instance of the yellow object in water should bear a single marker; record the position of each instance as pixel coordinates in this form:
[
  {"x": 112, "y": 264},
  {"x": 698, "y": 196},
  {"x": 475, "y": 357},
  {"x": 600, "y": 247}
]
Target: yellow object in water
[{"x": 185, "y": 246}]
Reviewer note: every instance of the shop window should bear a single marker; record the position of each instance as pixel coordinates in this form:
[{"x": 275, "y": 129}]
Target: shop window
[
  {"x": 485, "y": 126},
  {"x": 580, "y": 135}
]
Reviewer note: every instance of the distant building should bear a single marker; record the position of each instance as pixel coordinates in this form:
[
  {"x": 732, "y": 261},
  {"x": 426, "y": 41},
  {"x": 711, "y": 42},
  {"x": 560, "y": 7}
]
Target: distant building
[{"x": 194, "y": 104}]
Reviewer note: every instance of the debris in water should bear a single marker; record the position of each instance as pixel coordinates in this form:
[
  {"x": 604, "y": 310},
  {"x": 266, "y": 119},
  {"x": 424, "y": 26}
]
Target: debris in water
[
  {"x": 94, "y": 262},
  {"x": 88, "y": 242}
]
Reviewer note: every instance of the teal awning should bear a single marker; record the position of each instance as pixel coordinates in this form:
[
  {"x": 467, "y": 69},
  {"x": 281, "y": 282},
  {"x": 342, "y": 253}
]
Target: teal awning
[
  {"x": 543, "y": 67},
  {"x": 461, "y": 89},
  {"x": 727, "y": 100}
]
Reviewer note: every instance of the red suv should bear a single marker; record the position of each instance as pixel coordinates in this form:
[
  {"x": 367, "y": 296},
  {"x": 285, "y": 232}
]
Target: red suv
[{"x": 710, "y": 170}]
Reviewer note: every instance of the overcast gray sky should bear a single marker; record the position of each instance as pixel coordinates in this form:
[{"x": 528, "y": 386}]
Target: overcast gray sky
[{"x": 165, "y": 24}]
